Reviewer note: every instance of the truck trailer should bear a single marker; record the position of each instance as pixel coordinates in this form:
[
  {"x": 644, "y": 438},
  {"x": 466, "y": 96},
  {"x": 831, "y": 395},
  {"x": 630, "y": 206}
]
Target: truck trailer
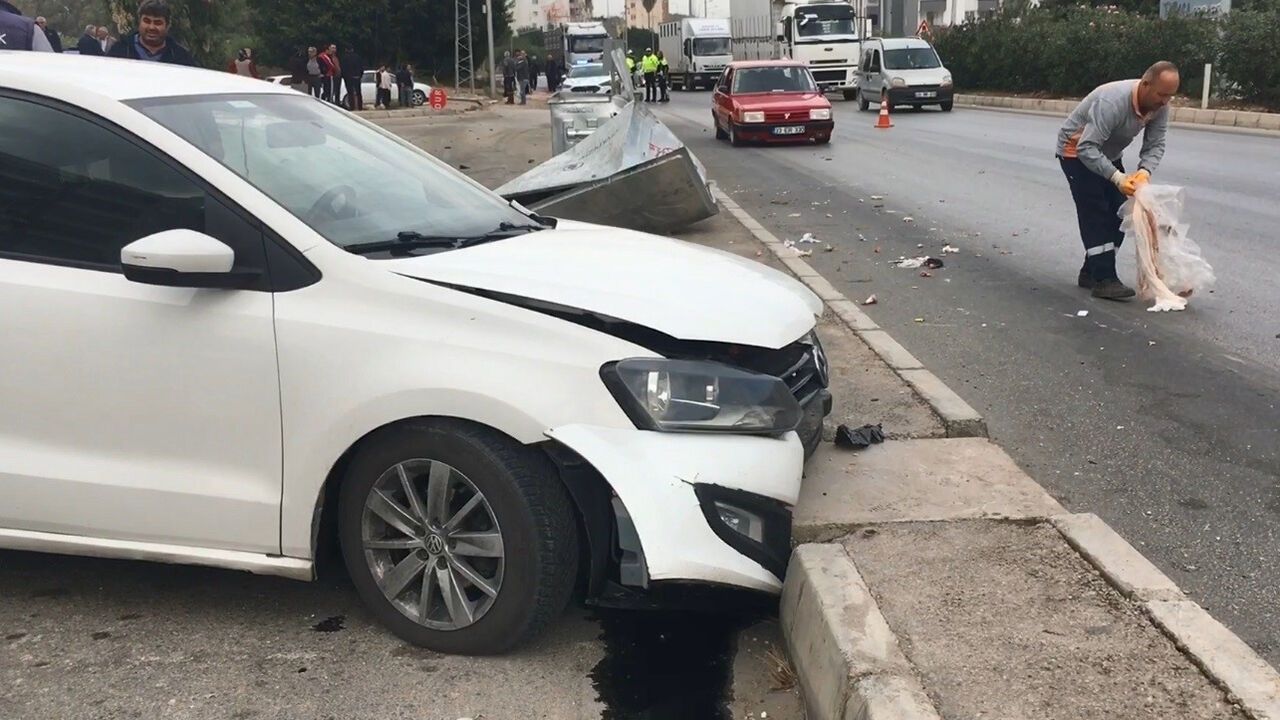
[
  {"x": 697, "y": 50},
  {"x": 824, "y": 34},
  {"x": 577, "y": 43}
]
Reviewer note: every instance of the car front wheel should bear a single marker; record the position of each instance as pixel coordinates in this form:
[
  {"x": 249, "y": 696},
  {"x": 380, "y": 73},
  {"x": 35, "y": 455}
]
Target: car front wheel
[
  {"x": 457, "y": 538},
  {"x": 419, "y": 98}
]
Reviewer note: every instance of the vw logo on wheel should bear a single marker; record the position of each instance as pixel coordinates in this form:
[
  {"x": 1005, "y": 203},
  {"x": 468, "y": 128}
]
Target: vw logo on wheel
[{"x": 435, "y": 544}]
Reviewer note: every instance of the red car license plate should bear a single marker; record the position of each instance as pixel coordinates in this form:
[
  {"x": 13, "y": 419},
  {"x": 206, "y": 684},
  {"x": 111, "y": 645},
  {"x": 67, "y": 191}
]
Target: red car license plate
[{"x": 789, "y": 130}]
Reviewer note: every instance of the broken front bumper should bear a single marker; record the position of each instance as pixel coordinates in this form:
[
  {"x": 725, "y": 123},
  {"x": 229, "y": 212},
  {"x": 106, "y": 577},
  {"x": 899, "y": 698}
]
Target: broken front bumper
[{"x": 678, "y": 490}]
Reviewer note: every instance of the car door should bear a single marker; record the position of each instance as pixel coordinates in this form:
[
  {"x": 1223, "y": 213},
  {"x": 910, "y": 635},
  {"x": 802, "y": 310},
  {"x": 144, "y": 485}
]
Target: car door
[
  {"x": 369, "y": 87},
  {"x": 723, "y": 103},
  {"x": 130, "y": 411}
]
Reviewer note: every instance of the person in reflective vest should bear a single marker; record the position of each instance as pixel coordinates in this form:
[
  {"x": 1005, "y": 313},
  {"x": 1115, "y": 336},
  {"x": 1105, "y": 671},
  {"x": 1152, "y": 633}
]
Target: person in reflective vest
[
  {"x": 649, "y": 65},
  {"x": 664, "y": 77}
]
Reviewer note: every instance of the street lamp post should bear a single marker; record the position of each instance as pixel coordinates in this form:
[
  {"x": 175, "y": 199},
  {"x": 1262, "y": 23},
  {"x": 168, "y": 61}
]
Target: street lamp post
[{"x": 493, "y": 67}]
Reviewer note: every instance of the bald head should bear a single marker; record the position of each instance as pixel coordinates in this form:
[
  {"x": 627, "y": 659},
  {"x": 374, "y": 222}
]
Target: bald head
[{"x": 1158, "y": 86}]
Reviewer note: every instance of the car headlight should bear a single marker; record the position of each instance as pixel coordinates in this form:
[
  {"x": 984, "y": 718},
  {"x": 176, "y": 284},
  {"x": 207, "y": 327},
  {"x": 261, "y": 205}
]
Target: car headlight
[
  {"x": 898, "y": 82},
  {"x": 820, "y": 114},
  {"x": 754, "y": 116},
  {"x": 946, "y": 80},
  {"x": 700, "y": 396}
]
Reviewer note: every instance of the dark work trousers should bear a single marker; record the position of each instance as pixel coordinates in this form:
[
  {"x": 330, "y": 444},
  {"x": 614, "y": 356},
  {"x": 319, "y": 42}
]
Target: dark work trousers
[
  {"x": 355, "y": 94},
  {"x": 662, "y": 86},
  {"x": 335, "y": 89},
  {"x": 650, "y": 87},
  {"x": 1098, "y": 203},
  {"x": 316, "y": 83}
]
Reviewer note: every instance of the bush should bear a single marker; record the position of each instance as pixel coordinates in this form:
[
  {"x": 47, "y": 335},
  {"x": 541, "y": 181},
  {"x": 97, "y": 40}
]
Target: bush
[{"x": 1070, "y": 51}]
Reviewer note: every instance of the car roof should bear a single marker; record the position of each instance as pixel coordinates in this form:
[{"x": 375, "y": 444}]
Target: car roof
[
  {"x": 892, "y": 43},
  {"x": 120, "y": 79},
  {"x": 748, "y": 64}
]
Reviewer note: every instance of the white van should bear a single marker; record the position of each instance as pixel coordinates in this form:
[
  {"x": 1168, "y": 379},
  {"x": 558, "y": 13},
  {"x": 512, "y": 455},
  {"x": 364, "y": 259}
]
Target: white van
[{"x": 906, "y": 71}]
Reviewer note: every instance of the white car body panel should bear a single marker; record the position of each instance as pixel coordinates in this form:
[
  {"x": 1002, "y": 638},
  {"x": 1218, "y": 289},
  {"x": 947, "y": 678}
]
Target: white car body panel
[
  {"x": 653, "y": 475},
  {"x": 688, "y": 291},
  {"x": 211, "y": 419}
]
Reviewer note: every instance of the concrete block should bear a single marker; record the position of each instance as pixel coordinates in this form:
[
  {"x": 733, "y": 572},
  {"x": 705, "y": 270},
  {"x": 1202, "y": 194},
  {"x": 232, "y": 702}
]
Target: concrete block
[
  {"x": 1065, "y": 106},
  {"x": 890, "y": 351},
  {"x": 824, "y": 289},
  {"x": 1183, "y": 114},
  {"x": 914, "y": 480},
  {"x": 1247, "y": 119},
  {"x": 798, "y": 267},
  {"x": 1118, "y": 561},
  {"x": 1269, "y": 121},
  {"x": 1204, "y": 117},
  {"x": 833, "y": 629},
  {"x": 958, "y": 417},
  {"x": 889, "y": 697},
  {"x": 852, "y": 315},
  {"x": 1225, "y": 658},
  {"x": 1226, "y": 118}
]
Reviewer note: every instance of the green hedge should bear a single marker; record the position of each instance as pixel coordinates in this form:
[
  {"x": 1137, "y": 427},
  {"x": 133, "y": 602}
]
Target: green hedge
[{"x": 1072, "y": 51}]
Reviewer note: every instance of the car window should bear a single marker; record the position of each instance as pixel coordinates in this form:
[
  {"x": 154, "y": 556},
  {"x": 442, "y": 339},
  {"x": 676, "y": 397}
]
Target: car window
[
  {"x": 792, "y": 78},
  {"x": 916, "y": 58},
  {"x": 588, "y": 70},
  {"x": 75, "y": 192},
  {"x": 368, "y": 77},
  {"x": 725, "y": 80},
  {"x": 349, "y": 182}
]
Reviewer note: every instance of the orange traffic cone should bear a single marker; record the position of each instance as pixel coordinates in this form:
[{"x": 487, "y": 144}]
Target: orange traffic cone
[{"x": 883, "y": 122}]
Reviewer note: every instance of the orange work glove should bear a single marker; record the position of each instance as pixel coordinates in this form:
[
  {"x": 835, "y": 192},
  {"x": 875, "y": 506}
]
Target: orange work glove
[{"x": 1129, "y": 184}]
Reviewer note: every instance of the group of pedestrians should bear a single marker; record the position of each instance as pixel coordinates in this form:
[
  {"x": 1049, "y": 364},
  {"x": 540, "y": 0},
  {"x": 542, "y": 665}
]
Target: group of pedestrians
[
  {"x": 325, "y": 73},
  {"x": 520, "y": 75},
  {"x": 655, "y": 73},
  {"x": 149, "y": 42}
]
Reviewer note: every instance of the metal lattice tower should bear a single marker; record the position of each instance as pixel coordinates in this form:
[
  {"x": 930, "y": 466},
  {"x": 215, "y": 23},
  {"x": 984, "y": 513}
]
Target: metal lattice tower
[{"x": 463, "y": 65}]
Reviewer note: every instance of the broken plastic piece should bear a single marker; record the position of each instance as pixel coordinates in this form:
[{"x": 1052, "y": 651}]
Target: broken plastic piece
[
  {"x": 808, "y": 238},
  {"x": 1082, "y": 313},
  {"x": 949, "y": 249},
  {"x": 871, "y": 300},
  {"x": 864, "y": 436}
]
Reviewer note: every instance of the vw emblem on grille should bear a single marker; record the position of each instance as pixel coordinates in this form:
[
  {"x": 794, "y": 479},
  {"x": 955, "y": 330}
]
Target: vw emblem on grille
[{"x": 435, "y": 544}]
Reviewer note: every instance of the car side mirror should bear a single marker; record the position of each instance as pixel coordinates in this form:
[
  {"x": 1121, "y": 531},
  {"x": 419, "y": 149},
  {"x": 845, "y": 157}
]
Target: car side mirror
[{"x": 183, "y": 258}]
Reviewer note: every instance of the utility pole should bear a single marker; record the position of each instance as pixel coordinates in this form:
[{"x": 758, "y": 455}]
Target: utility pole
[
  {"x": 493, "y": 67},
  {"x": 464, "y": 68}
]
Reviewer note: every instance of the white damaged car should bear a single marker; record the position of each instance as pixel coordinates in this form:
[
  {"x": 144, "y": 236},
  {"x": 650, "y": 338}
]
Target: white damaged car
[{"x": 241, "y": 326}]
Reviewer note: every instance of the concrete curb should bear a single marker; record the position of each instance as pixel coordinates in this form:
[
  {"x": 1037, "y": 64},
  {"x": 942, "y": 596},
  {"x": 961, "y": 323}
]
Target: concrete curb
[
  {"x": 848, "y": 660},
  {"x": 959, "y": 419},
  {"x": 1218, "y": 652},
  {"x": 1229, "y": 121}
]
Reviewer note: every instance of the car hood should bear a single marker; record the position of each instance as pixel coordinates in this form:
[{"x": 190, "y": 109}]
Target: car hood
[
  {"x": 781, "y": 101},
  {"x": 922, "y": 76},
  {"x": 683, "y": 290}
]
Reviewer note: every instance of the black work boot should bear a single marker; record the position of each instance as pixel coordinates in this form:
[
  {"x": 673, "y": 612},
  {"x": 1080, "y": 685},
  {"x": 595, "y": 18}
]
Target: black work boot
[{"x": 1112, "y": 290}]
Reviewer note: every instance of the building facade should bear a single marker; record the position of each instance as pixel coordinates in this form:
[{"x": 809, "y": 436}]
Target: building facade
[{"x": 637, "y": 17}]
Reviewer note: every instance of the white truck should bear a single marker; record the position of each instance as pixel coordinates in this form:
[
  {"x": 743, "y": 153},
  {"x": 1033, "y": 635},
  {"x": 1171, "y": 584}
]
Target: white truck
[
  {"x": 578, "y": 43},
  {"x": 825, "y": 34},
  {"x": 697, "y": 50}
]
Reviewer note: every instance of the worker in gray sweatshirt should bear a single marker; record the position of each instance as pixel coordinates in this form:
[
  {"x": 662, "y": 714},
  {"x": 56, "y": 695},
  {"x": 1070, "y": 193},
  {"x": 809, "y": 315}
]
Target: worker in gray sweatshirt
[{"x": 1090, "y": 145}]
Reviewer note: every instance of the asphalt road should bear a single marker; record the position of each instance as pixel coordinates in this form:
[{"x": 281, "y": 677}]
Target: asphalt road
[{"x": 1166, "y": 425}]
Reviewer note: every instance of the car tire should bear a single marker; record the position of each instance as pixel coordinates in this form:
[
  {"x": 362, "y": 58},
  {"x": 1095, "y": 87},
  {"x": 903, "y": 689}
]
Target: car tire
[
  {"x": 419, "y": 98},
  {"x": 523, "y": 514},
  {"x": 946, "y": 107},
  {"x": 734, "y": 140},
  {"x": 863, "y": 103},
  {"x": 720, "y": 133},
  {"x": 688, "y": 83},
  {"x": 917, "y": 108}
]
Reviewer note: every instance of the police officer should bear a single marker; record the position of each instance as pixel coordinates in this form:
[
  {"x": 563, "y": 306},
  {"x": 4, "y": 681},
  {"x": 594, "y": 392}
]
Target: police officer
[
  {"x": 19, "y": 32},
  {"x": 631, "y": 65},
  {"x": 664, "y": 76},
  {"x": 649, "y": 65}
]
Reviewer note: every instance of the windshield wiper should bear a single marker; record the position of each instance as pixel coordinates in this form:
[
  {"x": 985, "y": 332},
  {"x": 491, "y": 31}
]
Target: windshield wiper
[
  {"x": 404, "y": 242},
  {"x": 503, "y": 231}
]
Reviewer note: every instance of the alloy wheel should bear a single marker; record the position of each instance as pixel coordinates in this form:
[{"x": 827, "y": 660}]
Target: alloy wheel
[{"x": 433, "y": 544}]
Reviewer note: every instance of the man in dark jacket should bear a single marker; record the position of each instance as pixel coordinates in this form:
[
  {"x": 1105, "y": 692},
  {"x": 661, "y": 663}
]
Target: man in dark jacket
[
  {"x": 18, "y": 32},
  {"x": 55, "y": 40},
  {"x": 508, "y": 76},
  {"x": 151, "y": 41},
  {"x": 352, "y": 71},
  {"x": 522, "y": 76},
  {"x": 553, "y": 73},
  {"x": 88, "y": 43},
  {"x": 404, "y": 81}
]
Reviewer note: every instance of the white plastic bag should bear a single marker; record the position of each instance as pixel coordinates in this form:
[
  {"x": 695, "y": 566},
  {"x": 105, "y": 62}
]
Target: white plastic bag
[{"x": 1170, "y": 268}]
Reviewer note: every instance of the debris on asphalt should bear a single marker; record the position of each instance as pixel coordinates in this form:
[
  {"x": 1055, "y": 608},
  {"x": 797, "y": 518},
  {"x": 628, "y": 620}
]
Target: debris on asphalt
[
  {"x": 919, "y": 320},
  {"x": 948, "y": 248},
  {"x": 919, "y": 245},
  {"x": 909, "y": 263},
  {"x": 862, "y": 437},
  {"x": 803, "y": 253},
  {"x": 871, "y": 300},
  {"x": 878, "y": 250},
  {"x": 1082, "y": 313},
  {"x": 828, "y": 248},
  {"x": 793, "y": 215},
  {"x": 464, "y": 167},
  {"x": 863, "y": 238},
  {"x": 925, "y": 273},
  {"x": 808, "y": 238},
  {"x": 779, "y": 202},
  {"x": 877, "y": 197},
  {"x": 908, "y": 219}
]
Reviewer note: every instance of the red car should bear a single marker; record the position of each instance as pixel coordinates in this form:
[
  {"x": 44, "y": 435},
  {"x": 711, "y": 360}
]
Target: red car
[{"x": 770, "y": 101}]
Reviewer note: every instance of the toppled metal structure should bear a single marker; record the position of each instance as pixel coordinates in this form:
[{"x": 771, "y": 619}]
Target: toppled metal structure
[{"x": 631, "y": 172}]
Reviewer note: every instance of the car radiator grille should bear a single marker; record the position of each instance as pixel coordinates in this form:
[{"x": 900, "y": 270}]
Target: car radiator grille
[
  {"x": 830, "y": 75},
  {"x": 788, "y": 116}
]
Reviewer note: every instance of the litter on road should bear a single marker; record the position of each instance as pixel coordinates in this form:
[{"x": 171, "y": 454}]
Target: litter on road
[
  {"x": 860, "y": 438},
  {"x": 924, "y": 261},
  {"x": 1170, "y": 268},
  {"x": 948, "y": 248},
  {"x": 808, "y": 238},
  {"x": 871, "y": 300},
  {"x": 1082, "y": 313}
]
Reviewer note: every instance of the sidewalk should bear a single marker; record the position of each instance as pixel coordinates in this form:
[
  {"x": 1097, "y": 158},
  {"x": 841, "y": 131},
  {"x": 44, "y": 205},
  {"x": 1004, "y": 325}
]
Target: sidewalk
[
  {"x": 1181, "y": 115},
  {"x": 938, "y": 579}
]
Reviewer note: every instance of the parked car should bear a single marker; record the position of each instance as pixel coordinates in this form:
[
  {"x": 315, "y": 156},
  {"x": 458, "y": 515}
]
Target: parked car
[
  {"x": 904, "y": 71},
  {"x": 770, "y": 101},
  {"x": 245, "y": 325},
  {"x": 587, "y": 78},
  {"x": 368, "y": 88}
]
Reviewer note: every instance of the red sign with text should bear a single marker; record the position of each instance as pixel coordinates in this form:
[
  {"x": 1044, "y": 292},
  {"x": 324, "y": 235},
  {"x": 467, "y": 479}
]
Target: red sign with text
[{"x": 438, "y": 99}]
